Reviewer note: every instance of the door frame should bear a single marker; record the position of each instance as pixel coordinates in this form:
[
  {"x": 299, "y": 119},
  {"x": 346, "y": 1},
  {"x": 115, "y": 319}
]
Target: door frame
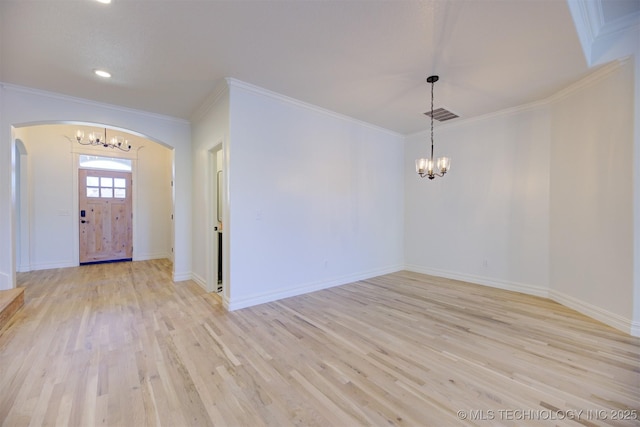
[
  {"x": 23, "y": 205},
  {"x": 113, "y": 202},
  {"x": 214, "y": 163},
  {"x": 132, "y": 155}
]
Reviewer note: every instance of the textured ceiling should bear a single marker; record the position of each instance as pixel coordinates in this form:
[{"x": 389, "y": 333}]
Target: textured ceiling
[{"x": 365, "y": 59}]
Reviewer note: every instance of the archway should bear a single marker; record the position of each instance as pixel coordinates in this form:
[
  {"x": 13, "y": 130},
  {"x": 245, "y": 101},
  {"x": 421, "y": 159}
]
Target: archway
[{"x": 46, "y": 190}]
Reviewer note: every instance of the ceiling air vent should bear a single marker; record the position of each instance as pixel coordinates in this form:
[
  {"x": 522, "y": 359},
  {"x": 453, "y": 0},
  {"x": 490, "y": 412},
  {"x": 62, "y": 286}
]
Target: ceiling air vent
[{"x": 441, "y": 115}]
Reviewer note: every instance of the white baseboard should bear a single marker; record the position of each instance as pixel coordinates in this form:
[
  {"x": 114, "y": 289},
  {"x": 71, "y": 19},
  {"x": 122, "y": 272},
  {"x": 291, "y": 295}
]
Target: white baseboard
[
  {"x": 612, "y": 319},
  {"x": 199, "y": 280},
  {"x": 181, "y": 276},
  {"x": 225, "y": 302},
  {"x": 51, "y": 265},
  {"x": 24, "y": 268},
  {"x": 5, "y": 282},
  {"x": 485, "y": 281},
  {"x": 147, "y": 257},
  {"x": 251, "y": 300}
]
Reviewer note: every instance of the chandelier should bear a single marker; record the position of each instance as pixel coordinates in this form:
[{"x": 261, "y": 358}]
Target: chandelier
[
  {"x": 427, "y": 167},
  {"x": 95, "y": 138}
]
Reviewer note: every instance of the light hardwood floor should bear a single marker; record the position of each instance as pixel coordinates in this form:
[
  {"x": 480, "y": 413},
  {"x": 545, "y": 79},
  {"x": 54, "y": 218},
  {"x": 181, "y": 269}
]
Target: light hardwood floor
[{"x": 121, "y": 344}]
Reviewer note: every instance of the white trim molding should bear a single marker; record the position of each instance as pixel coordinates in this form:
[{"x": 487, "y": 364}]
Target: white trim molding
[
  {"x": 484, "y": 281},
  {"x": 596, "y": 34},
  {"x": 150, "y": 256},
  {"x": 612, "y": 319},
  {"x": 199, "y": 280},
  {"x": 5, "y": 282},
  {"x": 51, "y": 265},
  {"x": 59, "y": 96},
  {"x": 251, "y": 300},
  {"x": 283, "y": 98},
  {"x": 589, "y": 80},
  {"x": 181, "y": 276},
  {"x": 219, "y": 91}
]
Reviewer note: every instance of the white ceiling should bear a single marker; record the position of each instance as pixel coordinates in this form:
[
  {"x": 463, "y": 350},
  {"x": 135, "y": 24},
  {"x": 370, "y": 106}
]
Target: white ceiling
[{"x": 365, "y": 59}]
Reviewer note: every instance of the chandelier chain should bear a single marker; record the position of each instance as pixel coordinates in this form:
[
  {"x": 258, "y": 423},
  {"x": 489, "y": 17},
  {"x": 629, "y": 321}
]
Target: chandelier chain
[{"x": 432, "y": 84}]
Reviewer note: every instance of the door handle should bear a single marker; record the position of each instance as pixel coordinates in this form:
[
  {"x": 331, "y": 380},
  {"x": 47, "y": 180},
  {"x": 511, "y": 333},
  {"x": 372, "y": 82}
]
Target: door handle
[{"x": 84, "y": 221}]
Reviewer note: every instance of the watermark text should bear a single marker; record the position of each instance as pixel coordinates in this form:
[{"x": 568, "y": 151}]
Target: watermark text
[{"x": 548, "y": 414}]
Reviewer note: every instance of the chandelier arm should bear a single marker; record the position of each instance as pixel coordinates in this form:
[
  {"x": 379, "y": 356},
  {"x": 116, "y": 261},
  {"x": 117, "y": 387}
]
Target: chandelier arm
[
  {"x": 430, "y": 175},
  {"x": 95, "y": 140}
]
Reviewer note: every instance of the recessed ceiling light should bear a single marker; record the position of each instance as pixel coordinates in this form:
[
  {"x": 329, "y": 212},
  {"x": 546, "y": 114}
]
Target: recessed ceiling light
[
  {"x": 102, "y": 73},
  {"x": 104, "y": 1}
]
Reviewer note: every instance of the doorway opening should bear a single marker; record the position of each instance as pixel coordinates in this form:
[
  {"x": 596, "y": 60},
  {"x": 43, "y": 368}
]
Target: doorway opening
[
  {"x": 215, "y": 236},
  {"x": 47, "y": 186}
]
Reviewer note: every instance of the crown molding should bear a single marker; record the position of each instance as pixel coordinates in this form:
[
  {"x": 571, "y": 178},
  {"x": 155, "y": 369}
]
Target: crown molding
[
  {"x": 210, "y": 101},
  {"x": 500, "y": 113},
  {"x": 585, "y": 82},
  {"x": 588, "y": 80},
  {"x": 588, "y": 19},
  {"x": 84, "y": 101},
  {"x": 301, "y": 104},
  {"x": 592, "y": 28},
  {"x": 620, "y": 25}
]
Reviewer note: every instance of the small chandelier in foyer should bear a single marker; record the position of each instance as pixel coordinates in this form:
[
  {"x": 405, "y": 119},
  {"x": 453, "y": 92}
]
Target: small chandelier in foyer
[
  {"x": 95, "y": 138},
  {"x": 425, "y": 167}
]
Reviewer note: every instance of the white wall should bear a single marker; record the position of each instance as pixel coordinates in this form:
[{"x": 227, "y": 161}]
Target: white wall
[
  {"x": 636, "y": 195},
  {"x": 209, "y": 130},
  {"x": 486, "y": 221},
  {"x": 22, "y": 107},
  {"x": 153, "y": 201},
  {"x": 603, "y": 42},
  {"x": 49, "y": 216},
  {"x": 591, "y": 210},
  {"x": 22, "y": 206},
  {"x": 315, "y": 199},
  {"x": 543, "y": 194},
  {"x": 7, "y": 217}
]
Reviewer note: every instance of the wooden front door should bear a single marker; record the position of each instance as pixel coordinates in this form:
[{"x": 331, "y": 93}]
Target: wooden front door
[{"x": 105, "y": 216}]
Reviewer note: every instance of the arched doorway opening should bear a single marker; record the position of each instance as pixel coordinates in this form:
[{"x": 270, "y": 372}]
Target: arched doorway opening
[{"x": 46, "y": 192}]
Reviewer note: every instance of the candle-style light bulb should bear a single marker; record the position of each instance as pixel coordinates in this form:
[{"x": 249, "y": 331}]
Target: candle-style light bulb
[{"x": 444, "y": 164}]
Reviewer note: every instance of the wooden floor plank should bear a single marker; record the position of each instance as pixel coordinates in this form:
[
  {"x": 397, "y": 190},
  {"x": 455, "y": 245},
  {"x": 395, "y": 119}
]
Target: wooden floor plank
[
  {"x": 10, "y": 301},
  {"x": 122, "y": 344}
]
